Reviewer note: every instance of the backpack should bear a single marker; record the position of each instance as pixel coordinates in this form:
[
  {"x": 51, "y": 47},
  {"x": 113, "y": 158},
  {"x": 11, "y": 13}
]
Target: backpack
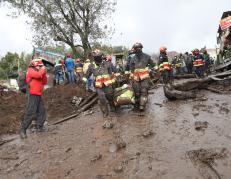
[{"x": 22, "y": 84}]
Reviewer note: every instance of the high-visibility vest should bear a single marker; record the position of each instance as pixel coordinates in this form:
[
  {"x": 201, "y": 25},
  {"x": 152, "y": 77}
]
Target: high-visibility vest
[
  {"x": 141, "y": 74},
  {"x": 164, "y": 66},
  {"x": 101, "y": 80},
  {"x": 79, "y": 69},
  {"x": 198, "y": 62},
  {"x": 178, "y": 65}
]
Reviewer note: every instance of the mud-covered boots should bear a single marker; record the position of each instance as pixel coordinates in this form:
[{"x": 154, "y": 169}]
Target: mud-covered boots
[
  {"x": 143, "y": 101},
  {"x": 22, "y": 133},
  {"x": 105, "y": 108}
]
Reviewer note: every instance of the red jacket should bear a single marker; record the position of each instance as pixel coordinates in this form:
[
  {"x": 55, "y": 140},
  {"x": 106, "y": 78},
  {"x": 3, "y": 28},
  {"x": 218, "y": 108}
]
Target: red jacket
[{"x": 36, "y": 79}]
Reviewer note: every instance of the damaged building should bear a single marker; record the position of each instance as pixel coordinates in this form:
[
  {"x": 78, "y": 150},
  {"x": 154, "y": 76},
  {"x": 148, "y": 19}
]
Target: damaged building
[{"x": 224, "y": 37}]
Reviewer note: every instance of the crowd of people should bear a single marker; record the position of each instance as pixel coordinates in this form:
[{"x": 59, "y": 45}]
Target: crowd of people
[
  {"x": 115, "y": 84},
  {"x": 198, "y": 62}
]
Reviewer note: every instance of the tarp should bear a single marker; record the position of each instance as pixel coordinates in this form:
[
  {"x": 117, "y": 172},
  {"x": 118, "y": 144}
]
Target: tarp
[{"x": 225, "y": 22}]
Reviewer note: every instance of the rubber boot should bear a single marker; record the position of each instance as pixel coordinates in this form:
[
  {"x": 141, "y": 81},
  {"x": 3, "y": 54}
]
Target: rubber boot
[
  {"x": 143, "y": 101},
  {"x": 105, "y": 108},
  {"x": 22, "y": 133},
  {"x": 41, "y": 129}
]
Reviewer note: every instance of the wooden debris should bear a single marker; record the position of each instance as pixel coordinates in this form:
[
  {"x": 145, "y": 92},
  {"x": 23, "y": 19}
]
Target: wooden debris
[
  {"x": 6, "y": 141},
  {"x": 82, "y": 109}
]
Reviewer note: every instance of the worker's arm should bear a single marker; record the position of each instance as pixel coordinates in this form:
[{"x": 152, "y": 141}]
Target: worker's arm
[
  {"x": 150, "y": 63},
  {"x": 89, "y": 72},
  {"x": 36, "y": 73}
]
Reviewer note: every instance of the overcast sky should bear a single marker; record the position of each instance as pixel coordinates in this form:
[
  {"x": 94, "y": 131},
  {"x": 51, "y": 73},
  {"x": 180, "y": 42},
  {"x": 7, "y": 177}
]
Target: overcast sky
[{"x": 178, "y": 24}]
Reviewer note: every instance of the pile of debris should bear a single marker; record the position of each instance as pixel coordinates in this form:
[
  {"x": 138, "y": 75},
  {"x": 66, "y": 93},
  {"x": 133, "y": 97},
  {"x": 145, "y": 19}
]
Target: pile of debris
[
  {"x": 58, "y": 102},
  {"x": 185, "y": 89}
]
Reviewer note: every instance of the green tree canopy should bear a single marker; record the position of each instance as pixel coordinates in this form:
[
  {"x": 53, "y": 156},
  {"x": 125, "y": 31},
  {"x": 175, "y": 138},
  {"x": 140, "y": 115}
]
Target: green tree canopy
[
  {"x": 74, "y": 22},
  {"x": 10, "y": 62}
]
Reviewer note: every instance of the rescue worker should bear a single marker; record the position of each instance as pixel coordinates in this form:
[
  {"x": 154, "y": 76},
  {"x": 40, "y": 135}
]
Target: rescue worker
[
  {"x": 79, "y": 70},
  {"x": 69, "y": 63},
  {"x": 179, "y": 64},
  {"x": 89, "y": 83},
  {"x": 103, "y": 74},
  {"x": 36, "y": 78},
  {"x": 207, "y": 61},
  {"x": 198, "y": 63},
  {"x": 59, "y": 72},
  {"x": 188, "y": 62},
  {"x": 139, "y": 67},
  {"x": 165, "y": 66}
]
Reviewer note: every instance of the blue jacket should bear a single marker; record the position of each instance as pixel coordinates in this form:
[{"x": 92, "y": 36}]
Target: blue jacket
[{"x": 69, "y": 63}]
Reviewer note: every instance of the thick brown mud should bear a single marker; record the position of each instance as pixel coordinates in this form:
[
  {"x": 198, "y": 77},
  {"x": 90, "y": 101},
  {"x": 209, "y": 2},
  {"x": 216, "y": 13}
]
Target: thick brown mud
[{"x": 161, "y": 143}]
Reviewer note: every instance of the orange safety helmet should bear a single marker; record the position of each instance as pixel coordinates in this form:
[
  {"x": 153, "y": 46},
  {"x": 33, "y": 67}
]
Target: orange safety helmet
[
  {"x": 77, "y": 59},
  {"x": 163, "y": 49}
]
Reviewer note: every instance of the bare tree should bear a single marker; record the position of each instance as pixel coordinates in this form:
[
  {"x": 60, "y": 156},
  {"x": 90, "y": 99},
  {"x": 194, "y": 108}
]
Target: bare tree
[{"x": 74, "y": 22}]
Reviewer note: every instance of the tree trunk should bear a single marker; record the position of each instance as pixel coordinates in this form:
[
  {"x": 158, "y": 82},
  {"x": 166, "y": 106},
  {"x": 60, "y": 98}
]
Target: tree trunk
[{"x": 86, "y": 47}]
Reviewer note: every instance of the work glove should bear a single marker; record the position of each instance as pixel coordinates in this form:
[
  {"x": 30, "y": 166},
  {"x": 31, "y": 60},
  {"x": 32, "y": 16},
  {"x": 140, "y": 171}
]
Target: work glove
[{"x": 84, "y": 79}]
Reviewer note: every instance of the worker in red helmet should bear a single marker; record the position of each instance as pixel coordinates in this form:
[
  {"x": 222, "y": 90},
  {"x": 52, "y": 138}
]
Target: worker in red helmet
[
  {"x": 103, "y": 74},
  {"x": 78, "y": 70},
  {"x": 139, "y": 67},
  {"x": 70, "y": 65},
  {"x": 164, "y": 66},
  {"x": 109, "y": 58},
  {"x": 36, "y": 78},
  {"x": 198, "y": 63}
]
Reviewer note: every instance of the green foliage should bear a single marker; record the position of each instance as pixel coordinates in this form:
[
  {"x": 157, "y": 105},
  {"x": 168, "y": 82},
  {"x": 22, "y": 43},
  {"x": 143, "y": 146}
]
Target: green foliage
[
  {"x": 108, "y": 49},
  {"x": 73, "y": 22},
  {"x": 10, "y": 62},
  {"x": 59, "y": 48}
]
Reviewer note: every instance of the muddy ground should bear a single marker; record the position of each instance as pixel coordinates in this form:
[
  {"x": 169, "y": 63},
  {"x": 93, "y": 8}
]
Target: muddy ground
[
  {"x": 174, "y": 139},
  {"x": 57, "y": 100}
]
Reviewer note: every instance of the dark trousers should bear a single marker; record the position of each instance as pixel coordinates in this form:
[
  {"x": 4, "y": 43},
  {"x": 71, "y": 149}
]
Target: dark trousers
[
  {"x": 105, "y": 96},
  {"x": 189, "y": 68},
  {"x": 141, "y": 91},
  {"x": 199, "y": 70},
  {"x": 34, "y": 106}
]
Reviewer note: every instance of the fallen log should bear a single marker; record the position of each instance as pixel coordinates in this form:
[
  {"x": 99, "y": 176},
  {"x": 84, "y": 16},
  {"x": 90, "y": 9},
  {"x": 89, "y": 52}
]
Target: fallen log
[
  {"x": 224, "y": 66},
  {"x": 216, "y": 90},
  {"x": 180, "y": 90},
  {"x": 173, "y": 94},
  {"x": 191, "y": 84},
  {"x": 184, "y": 76},
  {"x": 221, "y": 75},
  {"x": 89, "y": 98},
  {"x": 82, "y": 109},
  {"x": 6, "y": 141}
]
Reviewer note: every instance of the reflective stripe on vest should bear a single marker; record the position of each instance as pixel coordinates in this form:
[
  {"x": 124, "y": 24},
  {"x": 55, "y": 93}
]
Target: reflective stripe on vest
[
  {"x": 198, "y": 62},
  {"x": 164, "y": 66},
  {"x": 141, "y": 74},
  {"x": 178, "y": 65},
  {"x": 107, "y": 80},
  {"x": 79, "y": 69}
]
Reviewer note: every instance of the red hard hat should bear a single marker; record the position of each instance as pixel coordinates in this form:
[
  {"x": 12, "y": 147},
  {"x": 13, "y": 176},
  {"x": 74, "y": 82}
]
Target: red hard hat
[
  {"x": 163, "y": 49},
  {"x": 36, "y": 62},
  {"x": 68, "y": 55},
  {"x": 109, "y": 58}
]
